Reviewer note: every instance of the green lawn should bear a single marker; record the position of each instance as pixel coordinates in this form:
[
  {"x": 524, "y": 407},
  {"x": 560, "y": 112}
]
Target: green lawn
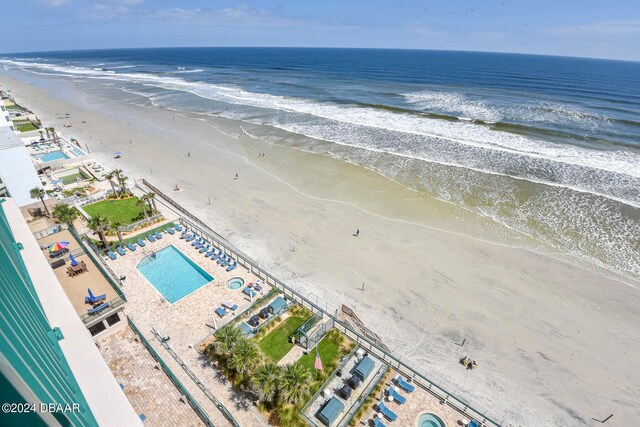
[
  {"x": 25, "y": 127},
  {"x": 276, "y": 343},
  {"x": 14, "y": 107},
  {"x": 329, "y": 351},
  {"x": 125, "y": 211}
]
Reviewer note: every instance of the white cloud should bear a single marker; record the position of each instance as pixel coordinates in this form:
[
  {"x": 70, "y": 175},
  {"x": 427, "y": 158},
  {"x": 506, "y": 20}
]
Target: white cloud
[
  {"x": 602, "y": 28},
  {"x": 54, "y": 3}
]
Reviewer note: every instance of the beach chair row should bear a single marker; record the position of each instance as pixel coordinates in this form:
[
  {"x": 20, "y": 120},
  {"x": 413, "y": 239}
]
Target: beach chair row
[
  {"x": 151, "y": 237},
  {"x": 395, "y": 396},
  {"x": 204, "y": 247}
]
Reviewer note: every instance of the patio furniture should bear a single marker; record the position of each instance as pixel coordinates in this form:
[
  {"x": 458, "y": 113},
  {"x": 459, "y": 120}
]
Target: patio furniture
[
  {"x": 397, "y": 396},
  {"x": 158, "y": 235},
  {"x": 178, "y": 227},
  {"x": 140, "y": 243},
  {"x": 151, "y": 238},
  {"x": 231, "y": 306},
  {"x": 388, "y": 413},
  {"x": 405, "y": 385},
  {"x": 377, "y": 422},
  {"x": 98, "y": 309},
  {"x": 131, "y": 246},
  {"x": 232, "y": 266},
  {"x": 92, "y": 299},
  {"x": 221, "y": 312},
  {"x": 247, "y": 291},
  {"x": 121, "y": 251},
  {"x": 111, "y": 255},
  {"x": 170, "y": 230}
]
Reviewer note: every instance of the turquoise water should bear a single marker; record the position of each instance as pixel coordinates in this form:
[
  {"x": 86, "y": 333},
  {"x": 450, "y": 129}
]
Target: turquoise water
[
  {"x": 78, "y": 152},
  {"x": 430, "y": 420},
  {"x": 173, "y": 274},
  {"x": 235, "y": 283},
  {"x": 51, "y": 156}
]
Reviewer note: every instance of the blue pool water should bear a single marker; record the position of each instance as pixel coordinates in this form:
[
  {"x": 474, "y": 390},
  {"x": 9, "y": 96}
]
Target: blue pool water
[
  {"x": 51, "y": 156},
  {"x": 173, "y": 274},
  {"x": 78, "y": 152},
  {"x": 430, "y": 420},
  {"x": 235, "y": 283}
]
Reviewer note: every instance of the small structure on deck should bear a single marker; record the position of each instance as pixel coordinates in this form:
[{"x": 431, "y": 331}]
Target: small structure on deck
[
  {"x": 330, "y": 411},
  {"x": 364, "y": 368},
  {"x": 277, "y": 306}
]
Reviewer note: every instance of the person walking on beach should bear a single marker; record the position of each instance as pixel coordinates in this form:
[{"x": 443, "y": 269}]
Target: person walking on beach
[
  {"x": 236, "y": 175},
  {"x": 188, "y": 154},
  {"x": 357, "y": 232}
]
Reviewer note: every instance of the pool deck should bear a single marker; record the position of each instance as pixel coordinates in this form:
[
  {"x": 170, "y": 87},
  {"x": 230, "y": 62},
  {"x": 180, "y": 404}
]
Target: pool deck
[
  {"x": 418, "y": 403},
  {"x": 187, "y": 322}
]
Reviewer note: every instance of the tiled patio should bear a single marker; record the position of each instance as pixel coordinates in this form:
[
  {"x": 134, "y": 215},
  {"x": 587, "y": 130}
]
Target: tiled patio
[
  {"x": 418, "y": 403},
  {"x": 148, "y": 389}
]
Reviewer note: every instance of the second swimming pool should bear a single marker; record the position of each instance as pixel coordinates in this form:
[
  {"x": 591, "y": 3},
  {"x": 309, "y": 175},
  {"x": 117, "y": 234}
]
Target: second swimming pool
[{"x": 173, "y": 274}]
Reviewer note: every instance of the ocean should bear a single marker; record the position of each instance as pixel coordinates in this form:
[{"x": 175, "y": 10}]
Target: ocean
[{"x": 547, "y": 147}]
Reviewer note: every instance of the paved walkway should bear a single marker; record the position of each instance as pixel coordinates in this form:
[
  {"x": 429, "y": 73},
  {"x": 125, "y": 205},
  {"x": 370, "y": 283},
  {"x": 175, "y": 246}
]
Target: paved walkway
[
  {"x": 148, "y": 389},
  {"x": 294, "y": 354}
]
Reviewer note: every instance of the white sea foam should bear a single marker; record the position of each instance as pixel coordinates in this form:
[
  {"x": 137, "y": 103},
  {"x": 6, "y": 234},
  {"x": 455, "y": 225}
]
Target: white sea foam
[{"x": 413, "y": 136}]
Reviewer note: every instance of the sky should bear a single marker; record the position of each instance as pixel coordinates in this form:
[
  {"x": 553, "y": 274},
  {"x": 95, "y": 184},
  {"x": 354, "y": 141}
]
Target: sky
[{"x": 588, "y": 28}]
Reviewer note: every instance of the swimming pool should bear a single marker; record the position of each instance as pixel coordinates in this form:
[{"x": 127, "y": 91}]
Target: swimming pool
[
  {"x": 235, "y": 283},
  {"x": 77, "y": 152},
  {"x": 430, "y": 420},
  {"x": 51, "y": 156},
  {"x": 173, "y": 274}
]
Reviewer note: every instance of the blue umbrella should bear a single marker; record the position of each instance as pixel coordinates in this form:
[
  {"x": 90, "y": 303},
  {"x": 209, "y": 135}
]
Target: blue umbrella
[{"x": 73, "y": 260}]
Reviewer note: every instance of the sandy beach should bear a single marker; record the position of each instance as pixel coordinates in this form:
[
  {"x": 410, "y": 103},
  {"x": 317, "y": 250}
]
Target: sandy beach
[{"x": 555, "y": 342}]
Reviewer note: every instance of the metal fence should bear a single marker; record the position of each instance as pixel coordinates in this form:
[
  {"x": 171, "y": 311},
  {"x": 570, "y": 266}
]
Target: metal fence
[
  {"x": 407, "y": 368},
  {"x": 142, "y": 222},
  {"x": 196, "y": 407},
  {"x": 195, "y": 379}
]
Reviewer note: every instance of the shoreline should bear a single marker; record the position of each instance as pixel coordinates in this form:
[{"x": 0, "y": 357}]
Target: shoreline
[{"x": 468, "y": 288}]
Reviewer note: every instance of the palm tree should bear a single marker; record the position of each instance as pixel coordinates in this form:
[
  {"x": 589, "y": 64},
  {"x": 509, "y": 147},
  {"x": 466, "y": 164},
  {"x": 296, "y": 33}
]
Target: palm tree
[
  {"x": 227, "y": 338},
  {"x": 48, "y": 134},
  {"x": 39, "y": 193},
  {"x": 142, "y": 201},
  {"x": 117, "y": 173},
  {"x": 41, "y": 134},
  {"x": 65, "y": 213},
  {"x": 99, "y": 225},
  {"x": 295, "y": 383},
  {"x": 54, "y": 134},
  {"x": 266, "y": 380},
  {"x": 110, "y": 177},
  {"x": 245, "y": 357},
  {"x": 117, "y": 225},
  {"x": 123, "y": 185},
  {"x": 152, "y": 202}
]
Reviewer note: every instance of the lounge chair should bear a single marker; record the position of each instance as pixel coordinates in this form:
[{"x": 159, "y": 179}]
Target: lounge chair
[
  {"x": 111, "y": 255},
  {"x": 230, "y": 306},
  {"x": 377, "y": 422},
  {"x": 190, "y": 238},
  {"x": 131, "y": 246},
  {"x": 227, "y": 262},
  {"x": 197, "y": 242},
  {"x": 178, "y": 227},
  {"x": 221, "y": 312},
  {"x": 388, "y": 413},
  {"x": 232, "y": 266},
  {"x": 211, "y": 252},
  {"x": 121, "y": 251},
  {"x": 405, "y": 385},
  {"x": 396, "y": 396},
  {"x": 170, "y": 230},
  {"x": 91, "y": 299},
  {"x": 215, "y": 256},
  {"x": 257, "y": 288},
  {"x": 201, "y": 245},
  {"x": 248, "y": 292},
  {"x": 204, "y": 249},
  {"x": 98, "y": 309},
  {"x": 140, "y": 243},
  {"x": 222, "y": 259},
  {"x": 474, "y": 423},
  {"x": 158, "y": 235},
  {"x": 151, "y": 238}
]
